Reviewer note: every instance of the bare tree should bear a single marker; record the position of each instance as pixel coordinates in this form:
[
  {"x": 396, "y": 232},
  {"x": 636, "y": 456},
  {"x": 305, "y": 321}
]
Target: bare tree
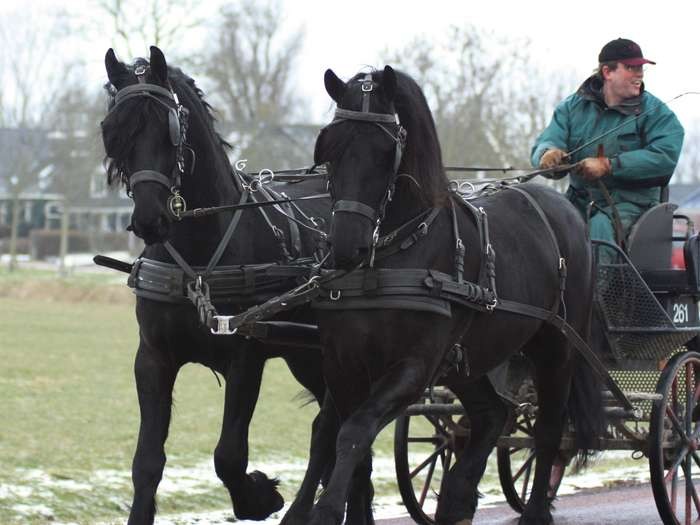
[
  {"x": 137, "y": 24},
  {"x": 688, "y": 170},
  {"x": 251, "y": 64},
  {"x": 488, "y": 100},
  {"x": 29, "y": 77},
  {"x": 74, "y": 150}
]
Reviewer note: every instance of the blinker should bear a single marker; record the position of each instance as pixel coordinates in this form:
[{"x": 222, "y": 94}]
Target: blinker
[{"x": 174, "y": 127}]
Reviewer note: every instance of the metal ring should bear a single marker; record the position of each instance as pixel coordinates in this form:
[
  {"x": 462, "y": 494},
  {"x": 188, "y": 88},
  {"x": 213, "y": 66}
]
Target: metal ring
[
  {"x": 264, "y": 173},
  {"x": 335, "y": 295}
]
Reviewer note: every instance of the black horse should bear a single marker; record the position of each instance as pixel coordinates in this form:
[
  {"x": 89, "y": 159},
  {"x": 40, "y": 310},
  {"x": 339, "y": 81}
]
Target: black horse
[
  {"x": 162, "y": 130},
  {"x": 394, "y": 215}
]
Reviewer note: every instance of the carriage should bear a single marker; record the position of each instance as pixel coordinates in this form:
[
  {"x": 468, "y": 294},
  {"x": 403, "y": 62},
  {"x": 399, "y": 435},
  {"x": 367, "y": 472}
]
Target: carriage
[{"x": 648, "y": 313}]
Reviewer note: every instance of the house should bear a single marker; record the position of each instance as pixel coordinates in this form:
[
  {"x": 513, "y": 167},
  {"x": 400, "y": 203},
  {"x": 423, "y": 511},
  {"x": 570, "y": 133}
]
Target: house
[{"x": 42, "y": 174}]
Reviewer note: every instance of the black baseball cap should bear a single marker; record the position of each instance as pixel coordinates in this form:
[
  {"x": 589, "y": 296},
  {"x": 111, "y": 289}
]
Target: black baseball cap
[{"x": 624, "y": 51}]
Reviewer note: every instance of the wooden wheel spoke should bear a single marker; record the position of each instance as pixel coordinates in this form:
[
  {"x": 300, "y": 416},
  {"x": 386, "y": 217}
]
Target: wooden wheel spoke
[
  {"x": 432, "y": 440},
  {"x": 674, "y": 468},
  {"x": 677, "y": 425},
  {"x": 526, "y": 481},
  {"x": 525, "y": 466},
  {"x": 431, "y": 458},
  {"x": 690, "y": 486},
  {"x": 674, "y": 487},
  {"x": 436, "y": 422},
  {"x": 524, "y": 429},
  {"x": 428, "y": 479}
]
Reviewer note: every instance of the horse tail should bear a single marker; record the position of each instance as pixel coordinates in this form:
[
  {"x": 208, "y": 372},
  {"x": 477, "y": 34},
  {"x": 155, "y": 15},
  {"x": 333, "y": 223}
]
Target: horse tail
[{"x": 585, "y": 410}]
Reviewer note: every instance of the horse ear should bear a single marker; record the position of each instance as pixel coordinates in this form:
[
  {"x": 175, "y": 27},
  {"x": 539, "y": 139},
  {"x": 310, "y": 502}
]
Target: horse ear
[
  {"x": 116, "y": 71},
  {"x": 334, "y": 86},
  {"x": 159, "y": 68},
  {"x": 389, "y": 83}
]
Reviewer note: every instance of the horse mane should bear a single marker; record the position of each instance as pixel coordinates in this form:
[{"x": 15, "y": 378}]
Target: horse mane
[
  {"x": 422, "y": 156},
  {"x": 123, "y": 123}
]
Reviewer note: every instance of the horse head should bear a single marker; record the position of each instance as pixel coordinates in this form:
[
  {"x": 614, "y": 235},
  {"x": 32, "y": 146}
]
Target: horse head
[
  {"x": 362, "y": 147},
  {"x": 144, "y": 137}
]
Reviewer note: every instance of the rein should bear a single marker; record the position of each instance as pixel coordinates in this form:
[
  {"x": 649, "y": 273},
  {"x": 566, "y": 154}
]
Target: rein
[{"x": 203, "y": 212}]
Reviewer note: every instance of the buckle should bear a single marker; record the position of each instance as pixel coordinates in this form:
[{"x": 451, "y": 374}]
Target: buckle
[{"x": 223, "y": 325}]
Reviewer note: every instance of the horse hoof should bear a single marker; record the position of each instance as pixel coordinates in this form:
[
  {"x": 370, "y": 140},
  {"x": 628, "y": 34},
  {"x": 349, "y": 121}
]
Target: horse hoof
[{"x": 258, "y": 499}]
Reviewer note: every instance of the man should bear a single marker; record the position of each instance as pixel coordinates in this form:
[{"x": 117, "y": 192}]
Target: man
[{"x": 623, "y": 172}]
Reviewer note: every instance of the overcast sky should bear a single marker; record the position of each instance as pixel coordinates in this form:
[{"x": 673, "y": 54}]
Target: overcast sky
[{"x": 566, "y": 37}]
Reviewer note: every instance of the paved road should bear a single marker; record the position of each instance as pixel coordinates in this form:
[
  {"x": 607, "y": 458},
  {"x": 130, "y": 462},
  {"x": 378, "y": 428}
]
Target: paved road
[{"x": 620, "y": 506}]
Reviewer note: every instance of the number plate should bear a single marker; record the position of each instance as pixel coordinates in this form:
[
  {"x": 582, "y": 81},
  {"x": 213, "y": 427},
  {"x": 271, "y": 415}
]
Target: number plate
[{"x": 683, "y": 311}]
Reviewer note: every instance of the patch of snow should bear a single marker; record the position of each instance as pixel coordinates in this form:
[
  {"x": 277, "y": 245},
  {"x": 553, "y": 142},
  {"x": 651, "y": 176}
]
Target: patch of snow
[{"x": 33, "y": 510}]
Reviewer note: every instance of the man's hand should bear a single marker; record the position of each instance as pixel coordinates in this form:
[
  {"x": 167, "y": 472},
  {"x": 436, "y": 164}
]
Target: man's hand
[
  {"x": 593, "y": 168},
  {"x": 552, "y": 158}
]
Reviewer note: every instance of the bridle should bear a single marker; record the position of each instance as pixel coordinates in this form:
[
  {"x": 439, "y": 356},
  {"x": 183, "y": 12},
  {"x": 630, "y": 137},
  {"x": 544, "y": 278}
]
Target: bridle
[
  {"x": 177, "y": 127},
  {"x": 380, "y": 120}
]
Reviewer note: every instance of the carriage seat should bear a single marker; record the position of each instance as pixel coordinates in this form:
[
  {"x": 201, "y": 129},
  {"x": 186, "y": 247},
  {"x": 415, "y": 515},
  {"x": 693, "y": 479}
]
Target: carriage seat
[
  {"x": 691, "y": 255},
  {"x": 649, "y": 247},
  {"x": 650, "y": 241}
]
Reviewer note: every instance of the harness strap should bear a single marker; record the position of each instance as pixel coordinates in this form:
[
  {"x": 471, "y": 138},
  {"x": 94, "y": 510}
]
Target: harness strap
[
  {"x": 366, "y": 116},
  {"x": 459, "y": 246},
  {"x": 616, "y": 219},
  {"x": 386, "y": 246},
  {"x": 286, "y": 210},
  {"x": 142, "y": 90},
  {"x": 181, "y": 262},
  {"x": 561, "y": 261},
  {"x": 150, "y": 176},
  {"x": 355, "y": 207},
  {"x": 279, "y": 234},
  {"x": 226, "y": 238},
  {"x": 558, "y": 322},
  {"x": 487, "y": 267}
]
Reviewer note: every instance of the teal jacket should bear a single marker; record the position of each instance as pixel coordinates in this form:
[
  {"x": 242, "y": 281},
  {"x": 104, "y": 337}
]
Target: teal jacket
[{"x": 643, "y": 152}]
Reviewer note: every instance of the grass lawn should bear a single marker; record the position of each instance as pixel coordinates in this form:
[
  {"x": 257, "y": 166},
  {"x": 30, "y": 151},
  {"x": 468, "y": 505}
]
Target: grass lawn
[
  {"x": 69, "y": 416},
  {"x": 69, "y": 413}
]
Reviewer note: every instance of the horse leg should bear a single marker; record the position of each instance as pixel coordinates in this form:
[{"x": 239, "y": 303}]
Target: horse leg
[
  {"x": 402, "y": 384},
  {"x": 321, "y": 455},
  {"x": 154, "y": 384},
  {"x": 254, "y": 496},
  {"x": 487, "y": 414},
  {"x": 306, "y": 367},
  {"x": 553, "y": 371},
  {"x": 359, "y": 509}
]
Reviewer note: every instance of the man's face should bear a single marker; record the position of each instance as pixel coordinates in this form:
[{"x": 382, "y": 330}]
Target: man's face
[{"x": 624, "y": 81}]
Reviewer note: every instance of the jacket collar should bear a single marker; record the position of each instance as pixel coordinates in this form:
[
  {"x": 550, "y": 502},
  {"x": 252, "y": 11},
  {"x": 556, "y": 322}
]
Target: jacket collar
[{"x": 592, "y": 89}]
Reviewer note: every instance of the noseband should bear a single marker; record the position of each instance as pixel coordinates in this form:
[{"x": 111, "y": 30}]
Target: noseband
[
  {"x": 380, "y": 120},
  {"x": 177, "y": 128}
]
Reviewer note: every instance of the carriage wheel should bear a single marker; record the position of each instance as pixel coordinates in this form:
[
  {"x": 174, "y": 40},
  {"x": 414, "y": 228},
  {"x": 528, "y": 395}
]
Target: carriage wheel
[
  {"x": 674, "y": 439},
  {"x": 516, "y": 467},
  {"x": 424, "y": 448}
]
